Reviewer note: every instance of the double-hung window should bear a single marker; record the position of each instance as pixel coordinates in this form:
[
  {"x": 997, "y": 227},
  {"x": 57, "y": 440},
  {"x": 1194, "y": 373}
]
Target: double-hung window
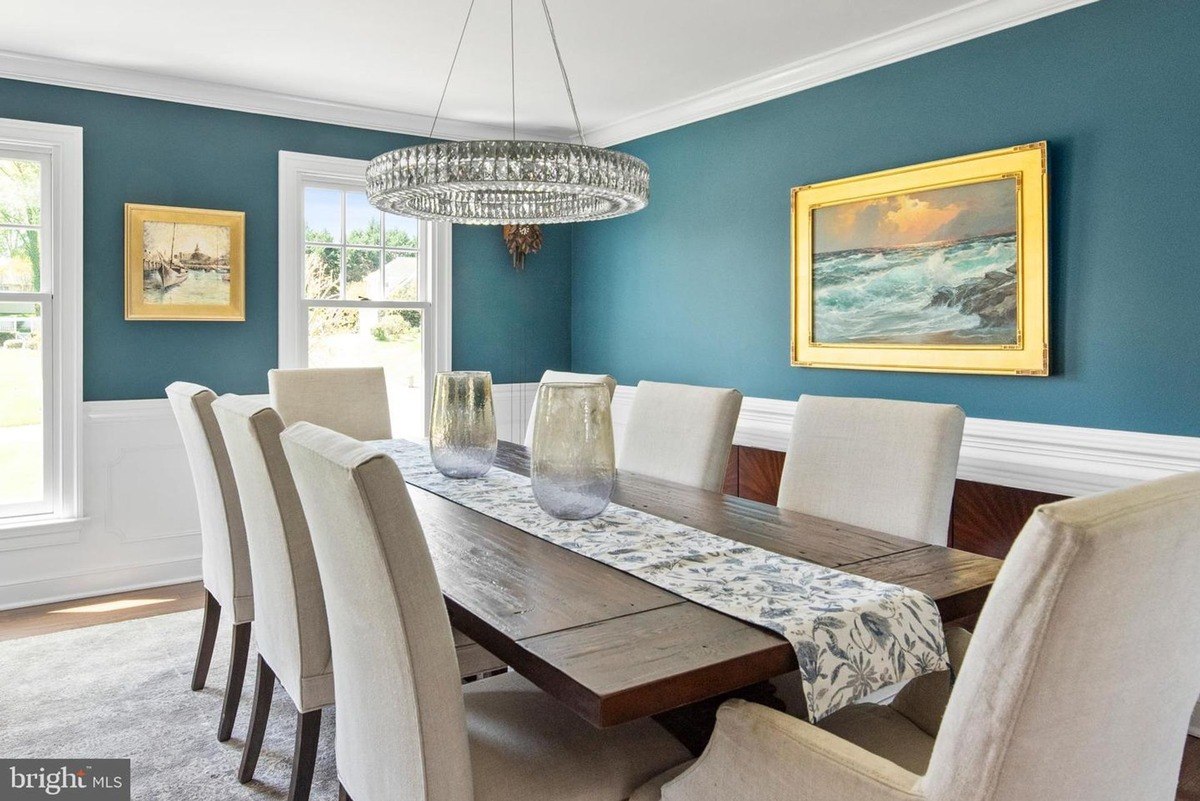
[
  {"x": 359, "y": 287},
  {"x": 41, "y": 189}
]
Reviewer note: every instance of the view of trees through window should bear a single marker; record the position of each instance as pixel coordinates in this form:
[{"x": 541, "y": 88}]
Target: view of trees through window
[
  {"x": 22, "y": 450},
  {"x": 355, "y": 253}
]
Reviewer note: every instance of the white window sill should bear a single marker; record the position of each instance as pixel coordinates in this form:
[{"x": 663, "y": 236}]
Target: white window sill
[{"x": 36, "y": 525}]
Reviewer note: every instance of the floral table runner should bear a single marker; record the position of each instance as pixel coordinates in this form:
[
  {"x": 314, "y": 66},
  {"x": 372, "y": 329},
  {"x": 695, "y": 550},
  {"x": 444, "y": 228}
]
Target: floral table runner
[{"x": 852, "y": 635}]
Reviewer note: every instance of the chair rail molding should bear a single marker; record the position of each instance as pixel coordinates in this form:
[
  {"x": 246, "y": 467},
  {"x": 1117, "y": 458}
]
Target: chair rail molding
[{"x": 1065, "y": 460}]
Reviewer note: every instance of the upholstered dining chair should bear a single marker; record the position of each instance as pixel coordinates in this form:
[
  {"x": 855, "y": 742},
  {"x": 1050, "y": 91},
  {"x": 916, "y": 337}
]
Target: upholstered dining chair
[
  {"x": 350, "y": 400},
  {"x": 558, "y": 376},
  {"x": 405, "y": 728},
  {"x": 680, "y": 433},
  {"x": 291, "y": 629},
  {"x": 1078, "y": 683},
  {"x": 224, "y": 558},
  {"x": 881, "y": 464},
  {"x": 353, "y": 401}
]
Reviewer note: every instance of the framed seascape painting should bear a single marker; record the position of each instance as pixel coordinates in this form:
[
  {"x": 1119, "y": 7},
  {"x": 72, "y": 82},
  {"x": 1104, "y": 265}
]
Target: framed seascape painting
[
  {"x": 184, "y": 264},
  {"x": 939, "y": 267}
]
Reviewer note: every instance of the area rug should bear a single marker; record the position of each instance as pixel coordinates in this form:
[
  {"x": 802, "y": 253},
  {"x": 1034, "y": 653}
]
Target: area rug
[{"x": 122, "y": 690}]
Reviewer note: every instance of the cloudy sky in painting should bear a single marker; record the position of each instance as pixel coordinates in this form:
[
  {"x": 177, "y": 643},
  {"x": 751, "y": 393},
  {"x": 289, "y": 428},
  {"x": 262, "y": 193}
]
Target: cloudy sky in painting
[
  {"x": 157, "y": 237},
  {"x": 957, "y": 212}
]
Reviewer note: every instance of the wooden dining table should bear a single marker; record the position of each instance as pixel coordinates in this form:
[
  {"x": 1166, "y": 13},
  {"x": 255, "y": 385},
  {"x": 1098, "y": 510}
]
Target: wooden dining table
[{"x": 614, "y": 648}]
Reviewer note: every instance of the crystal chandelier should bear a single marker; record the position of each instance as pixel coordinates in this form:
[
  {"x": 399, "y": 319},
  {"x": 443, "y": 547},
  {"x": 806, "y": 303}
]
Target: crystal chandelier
[{"x": 508, "y": 181}]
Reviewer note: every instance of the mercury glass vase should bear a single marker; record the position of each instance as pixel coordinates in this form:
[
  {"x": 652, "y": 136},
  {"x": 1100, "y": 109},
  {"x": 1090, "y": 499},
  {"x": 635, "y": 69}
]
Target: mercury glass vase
[
  {"x": 573, "y": 465},
  {"x": 462, "y": 424}
]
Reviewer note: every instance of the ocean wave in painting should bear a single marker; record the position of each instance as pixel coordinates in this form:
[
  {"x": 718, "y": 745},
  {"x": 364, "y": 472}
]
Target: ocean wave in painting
[{"x": 962, "y": 292}]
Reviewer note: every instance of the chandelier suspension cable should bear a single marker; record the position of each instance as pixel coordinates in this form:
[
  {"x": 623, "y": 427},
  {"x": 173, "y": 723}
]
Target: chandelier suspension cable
[
  {"x": 450, "y": 74},
  {"x": 562, "y": 68},
  {"x": 508, "y": 181},
  {"x": 512, "y": 64}
]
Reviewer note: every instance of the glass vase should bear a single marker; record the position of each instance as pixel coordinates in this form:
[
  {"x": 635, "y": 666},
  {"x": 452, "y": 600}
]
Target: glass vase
[
  {"x": 573, "y": 465},
  {"x": 462, "y": 424}
]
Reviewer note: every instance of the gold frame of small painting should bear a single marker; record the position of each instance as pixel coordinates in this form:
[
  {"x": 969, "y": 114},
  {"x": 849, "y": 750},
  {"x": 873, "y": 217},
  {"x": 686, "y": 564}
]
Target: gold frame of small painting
[
  {"x": 184, "y": 264},
  {"x": 938, "y": 267}
]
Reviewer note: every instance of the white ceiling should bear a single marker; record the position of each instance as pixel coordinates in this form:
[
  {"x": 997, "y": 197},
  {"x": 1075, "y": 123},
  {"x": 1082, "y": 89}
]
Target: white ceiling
[{"x": 635, "y": 65}]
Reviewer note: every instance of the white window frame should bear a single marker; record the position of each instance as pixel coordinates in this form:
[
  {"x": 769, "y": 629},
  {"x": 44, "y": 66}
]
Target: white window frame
[
  {"x": 59, "y": 148},
  {"x": 298, "y": 170}
]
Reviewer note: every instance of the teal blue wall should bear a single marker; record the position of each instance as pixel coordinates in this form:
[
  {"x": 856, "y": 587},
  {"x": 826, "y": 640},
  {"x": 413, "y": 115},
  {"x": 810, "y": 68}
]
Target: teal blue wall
[
  {"x": 520, "y": 322},
  {"x": 695, "y": 288},
  {"x": 148, "y": 151}
]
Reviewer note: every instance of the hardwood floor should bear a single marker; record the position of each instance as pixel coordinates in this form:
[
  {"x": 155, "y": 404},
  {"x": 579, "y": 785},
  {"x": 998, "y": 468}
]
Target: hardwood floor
[
  {"x": 1189, "y": 774},
  {"x": 50, "y": 618}
]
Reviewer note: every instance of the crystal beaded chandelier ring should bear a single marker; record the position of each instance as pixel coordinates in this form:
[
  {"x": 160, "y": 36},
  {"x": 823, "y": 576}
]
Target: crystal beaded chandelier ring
[{"x": 508, "y": 182}]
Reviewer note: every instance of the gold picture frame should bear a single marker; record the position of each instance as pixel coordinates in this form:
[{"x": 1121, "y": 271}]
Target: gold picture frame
[
  {"x": 920, "y": 269},
  {"x": 184, "y": 264}
]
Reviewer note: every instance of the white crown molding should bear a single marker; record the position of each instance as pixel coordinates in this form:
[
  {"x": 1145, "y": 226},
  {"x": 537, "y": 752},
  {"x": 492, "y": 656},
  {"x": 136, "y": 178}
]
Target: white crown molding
[
  {"x": 969, "y": 21},
  {"x": 135, "y": 83},
  {"x": 1065, "y": 460},
  {"x": 974, "y": 19}
]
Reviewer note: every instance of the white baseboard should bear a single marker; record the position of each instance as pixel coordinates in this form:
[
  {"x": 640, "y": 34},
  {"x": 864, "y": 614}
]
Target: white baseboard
[{"x": 88, "y": 584}]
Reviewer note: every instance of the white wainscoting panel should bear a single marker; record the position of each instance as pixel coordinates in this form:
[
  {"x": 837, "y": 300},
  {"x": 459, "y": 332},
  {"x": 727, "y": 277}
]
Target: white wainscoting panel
[
  {"x": 513, "y": 403},
  {"x": 141, "y": 527}
]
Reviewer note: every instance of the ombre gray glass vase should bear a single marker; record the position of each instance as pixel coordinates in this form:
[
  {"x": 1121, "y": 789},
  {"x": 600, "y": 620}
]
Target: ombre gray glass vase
[
  {"x": 573, "y": 466},
  {"x": 462, "y": 424}
]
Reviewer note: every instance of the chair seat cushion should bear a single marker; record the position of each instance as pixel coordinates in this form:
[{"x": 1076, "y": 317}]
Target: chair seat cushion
[
  {"x": 525, "y": 745},
  {"x": 883, "y": 731},
  {"x": 652, "y": 790}
]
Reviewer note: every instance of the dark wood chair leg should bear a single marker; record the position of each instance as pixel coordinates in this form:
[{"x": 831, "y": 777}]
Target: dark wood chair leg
[
  {"x": 237, "y": 676},
  {"x": 342, "y": 794},
  {"x": 308, "y": 729},
  {"x": 264, "y": 691},
  {"x": 208, "y": 638}
]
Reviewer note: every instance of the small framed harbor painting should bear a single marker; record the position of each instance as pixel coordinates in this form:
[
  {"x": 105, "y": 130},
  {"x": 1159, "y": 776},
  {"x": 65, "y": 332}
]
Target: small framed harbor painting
[
  {"x": 184, "y": 264},
  {"x": 939, "y": 267}
]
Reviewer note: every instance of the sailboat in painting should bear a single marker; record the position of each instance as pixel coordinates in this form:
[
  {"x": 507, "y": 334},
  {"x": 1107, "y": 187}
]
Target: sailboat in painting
[{"x": 167, "y": 274}]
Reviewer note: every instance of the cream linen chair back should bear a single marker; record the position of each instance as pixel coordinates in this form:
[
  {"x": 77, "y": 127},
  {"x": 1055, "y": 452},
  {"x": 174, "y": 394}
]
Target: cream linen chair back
[
  {"x": 680, "y": 433},
  {"x": 292, "y": 630},
  {"x": 557, "y": 377},
  {"x": 393, "y": 655},
  {"x": 1082, "y": 674},
  {"x": 225, "y": 559},
  {"x": 1078, "y": 683},
  {"x": 881, "y": 464},
  {"x": 349, "y": 400}
]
